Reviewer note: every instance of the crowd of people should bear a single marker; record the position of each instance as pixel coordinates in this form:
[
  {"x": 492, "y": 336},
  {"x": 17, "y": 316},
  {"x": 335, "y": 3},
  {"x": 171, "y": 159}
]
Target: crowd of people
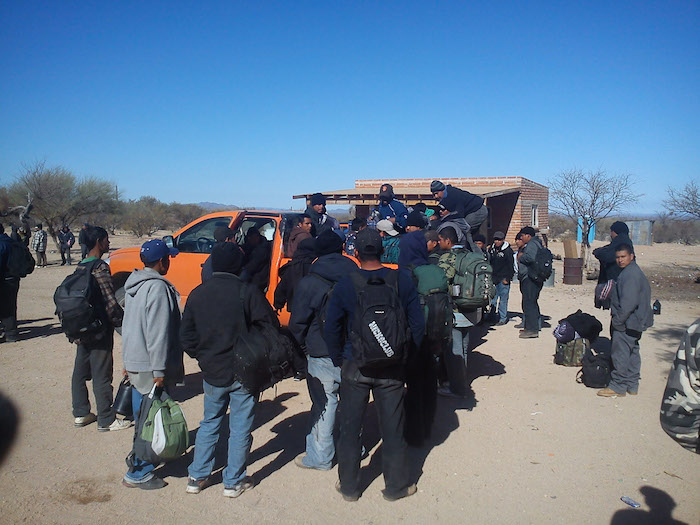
[{"x": 399, "y": 334}]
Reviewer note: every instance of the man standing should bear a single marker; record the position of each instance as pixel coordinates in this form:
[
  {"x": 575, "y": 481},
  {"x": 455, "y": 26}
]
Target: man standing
[
  {"x": 9, "y": 288},
  {"x": 320, "y": 219},
  {"x": 390, "y": 242},
  {"x": 66, "y": 240},
  {"x": 93, "y": 358},
  {"x": 151, "y": 349},
  {"x": 300, "y": 231},
  {"x": 82, "y": 241},
  {"x": 631, "y": 315},
  {"x": 619, "y": 235},
  {"x": 501, "y": 260},
  {"x": 386, "y": 384},
  {"x": 529, "y": 286},
  {"x": 39, "y": 243},
  {"x": 306, "y": 325},
  {"x": 465, "y": 206},
  {"x": 216, "y": 314}
]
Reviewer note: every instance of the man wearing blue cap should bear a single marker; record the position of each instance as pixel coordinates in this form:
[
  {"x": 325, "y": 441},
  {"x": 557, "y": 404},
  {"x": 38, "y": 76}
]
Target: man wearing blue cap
[{"x": 151, "y": 349}]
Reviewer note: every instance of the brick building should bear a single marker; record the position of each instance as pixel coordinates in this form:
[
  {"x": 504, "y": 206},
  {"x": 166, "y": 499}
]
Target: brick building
[{"x": 513, "y": 202}]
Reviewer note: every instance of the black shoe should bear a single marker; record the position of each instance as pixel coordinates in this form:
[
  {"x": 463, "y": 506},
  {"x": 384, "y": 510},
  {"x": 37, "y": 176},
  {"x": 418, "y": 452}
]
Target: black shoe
[
  {"x": 345, "y": 496},
  {"x": 520, "y": 325},
  {"x": 152, "y": 484},
  {"x": 299, "y": 376},
  {"x": 527, "y": 334},
  {"x": 408, "y": 491}
]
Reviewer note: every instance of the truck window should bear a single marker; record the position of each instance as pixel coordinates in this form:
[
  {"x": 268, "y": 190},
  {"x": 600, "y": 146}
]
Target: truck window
[{"x": 200, "y": 237}]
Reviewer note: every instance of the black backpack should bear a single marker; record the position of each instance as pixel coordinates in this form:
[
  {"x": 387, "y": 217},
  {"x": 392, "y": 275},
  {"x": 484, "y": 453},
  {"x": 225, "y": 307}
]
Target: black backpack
[
  {"x": 542, "y": 268},
  {"x": 323, "y": 308},
  {"x": 74, "y": 300},
  {"x": 380, "y": 335},
  {"x": 20, "y": 262},
  {"x": 595, "y": 369}
]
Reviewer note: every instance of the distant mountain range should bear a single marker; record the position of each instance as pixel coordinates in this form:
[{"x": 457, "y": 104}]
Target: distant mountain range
[{"x": 216, "y": 206}]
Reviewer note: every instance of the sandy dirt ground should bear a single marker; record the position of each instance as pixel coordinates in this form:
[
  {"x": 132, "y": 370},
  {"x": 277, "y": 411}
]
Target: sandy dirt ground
[{"x": 531, "y": 446}]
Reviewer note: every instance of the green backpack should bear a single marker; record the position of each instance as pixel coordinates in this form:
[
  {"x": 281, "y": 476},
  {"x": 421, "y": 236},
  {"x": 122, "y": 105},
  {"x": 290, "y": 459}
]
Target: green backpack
[
  {"x": 166, "y": 429},
  {"x": 474, "y": 275},
  {"x": 431, "y": 284}
]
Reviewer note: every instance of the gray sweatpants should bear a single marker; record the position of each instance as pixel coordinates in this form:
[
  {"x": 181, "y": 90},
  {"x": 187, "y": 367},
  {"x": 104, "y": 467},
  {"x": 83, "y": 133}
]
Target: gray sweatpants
[{"x": 627, "y": 363}]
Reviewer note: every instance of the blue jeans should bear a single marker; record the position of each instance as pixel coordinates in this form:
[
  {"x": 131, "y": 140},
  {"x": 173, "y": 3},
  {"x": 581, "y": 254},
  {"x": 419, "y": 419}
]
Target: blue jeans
[
  {"x": 142, "y": 471},
  {"x": 323, "y": 381},
  {"x": 501, "y": 300},
  {"x": 455, "y": 360},
  {"x": 216, "y": 400}
]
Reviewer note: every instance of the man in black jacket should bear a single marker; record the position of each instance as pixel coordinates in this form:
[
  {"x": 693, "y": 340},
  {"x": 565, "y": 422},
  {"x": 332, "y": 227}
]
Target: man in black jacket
[
  {"x": 306, "y": 323},
  {"x": 501, "y": 260},
  {"x": 216, "y": 313},
  {"x": 465, "y": 206},
  {"x": 619, "y": 234},
  {"x": 320, "y": 218}
]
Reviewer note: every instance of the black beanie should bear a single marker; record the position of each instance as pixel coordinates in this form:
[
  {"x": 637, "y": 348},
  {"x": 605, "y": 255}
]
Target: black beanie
[
  {"x": 328, "y": 242},
  {"x": 226, "y": 257},
  {"x": 620, "y": 228},
  {"x": 318, "y": 198},
  {"x": 436, "y": 185},
  {"x": 415, "y": 218}
]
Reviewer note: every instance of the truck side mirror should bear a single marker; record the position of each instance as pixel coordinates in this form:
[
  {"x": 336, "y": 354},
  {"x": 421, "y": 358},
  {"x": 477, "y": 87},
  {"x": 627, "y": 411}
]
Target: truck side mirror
[{"x": 168, "y": 239}]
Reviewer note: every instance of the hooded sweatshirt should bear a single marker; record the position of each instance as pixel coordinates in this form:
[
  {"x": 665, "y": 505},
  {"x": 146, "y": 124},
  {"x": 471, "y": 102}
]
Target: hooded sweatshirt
[
  {"x": 150, "y": 330},
  {"x": 501, "y": 260},
  {"x": 309, "y": 298}
]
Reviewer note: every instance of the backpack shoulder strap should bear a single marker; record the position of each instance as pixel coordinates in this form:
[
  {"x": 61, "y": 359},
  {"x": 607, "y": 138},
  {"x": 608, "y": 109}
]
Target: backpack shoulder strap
[{"x": 391, "y": 278}]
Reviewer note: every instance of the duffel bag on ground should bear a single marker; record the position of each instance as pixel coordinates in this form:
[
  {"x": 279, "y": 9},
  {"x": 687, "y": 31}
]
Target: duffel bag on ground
[{"x": 571, "y": 353}]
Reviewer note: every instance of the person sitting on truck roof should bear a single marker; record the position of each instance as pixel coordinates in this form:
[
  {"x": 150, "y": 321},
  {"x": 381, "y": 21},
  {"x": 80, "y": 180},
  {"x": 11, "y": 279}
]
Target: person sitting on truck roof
[
  {"x": 463, "y": 204},
  {"x": 391, "y": 209},
  {"x": 320, "y": 218}
]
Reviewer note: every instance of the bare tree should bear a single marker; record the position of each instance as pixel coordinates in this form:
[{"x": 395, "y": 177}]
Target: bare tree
[
  {"x": 587, "y": 197},
  {"x": 684, "y": 202},
  {"x": 59, "y": 198}
]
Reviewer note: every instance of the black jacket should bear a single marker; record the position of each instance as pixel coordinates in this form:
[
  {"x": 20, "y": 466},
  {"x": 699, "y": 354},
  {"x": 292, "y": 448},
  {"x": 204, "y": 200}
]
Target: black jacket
[
  {"x": 606, "y": 255},
  {"x": 212, "y": 322},
  {"x": 290, "y": 275},
  {"x": 501, "y": 261},
  {"x": 256, "y": 263},
  {"x": 460, "y": 201},
  {"x": 308, "y": 300}
]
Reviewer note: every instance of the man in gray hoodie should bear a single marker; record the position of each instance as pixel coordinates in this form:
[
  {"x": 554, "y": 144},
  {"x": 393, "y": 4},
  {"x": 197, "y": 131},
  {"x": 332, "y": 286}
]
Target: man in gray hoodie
[
  {"x": 529, "y": 287},
  {"x": 630, "y": 306},
  {"x": 151, "y": 348}
]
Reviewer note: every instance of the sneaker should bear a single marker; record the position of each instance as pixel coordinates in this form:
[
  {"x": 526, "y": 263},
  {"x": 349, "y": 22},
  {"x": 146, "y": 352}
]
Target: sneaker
[
  {"x": 299, "y": 376},
  {"x": 239, "y": 488},
  {"x": 345, "y": 496},
  {"x": 633, "y": 392},
  {"x": 520, "y": 325},
  {"x": 609, "y": 392},
  {"x": 152, "y": 484},
  {"x": 446, "y": 392},
  {"x": 117, "y": 424},
  {"x": 299, "y": 462},
  {"x": 408, "y": 491},
  {"x": 501, "y": 323},
  {"x": 83, "y": 421},
  {"x": 527, "y": 334},
  {"x": 196, "y": 486}
]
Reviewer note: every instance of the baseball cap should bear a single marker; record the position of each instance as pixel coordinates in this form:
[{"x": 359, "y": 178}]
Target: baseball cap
[
  {"x": 499, "y": 236},
  {"x": 369, "y": 242},
  {"x": 387, "y": 226},
  {"x": 155, "y": 249}
]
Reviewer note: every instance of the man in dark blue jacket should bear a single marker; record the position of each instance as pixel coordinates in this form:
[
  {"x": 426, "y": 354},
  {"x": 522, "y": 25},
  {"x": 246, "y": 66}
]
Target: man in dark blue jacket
[
  {"x": 619, "y": 235},
  {"x": 305, "y": 324},
  {"x": 386, "y": 385},
  {"x": 463, "y": 204}
]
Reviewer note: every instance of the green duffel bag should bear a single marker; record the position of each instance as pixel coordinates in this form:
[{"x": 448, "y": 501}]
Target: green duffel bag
[
  {"x": 165, "y": 428},
  {"x": 571, "y": 353}
]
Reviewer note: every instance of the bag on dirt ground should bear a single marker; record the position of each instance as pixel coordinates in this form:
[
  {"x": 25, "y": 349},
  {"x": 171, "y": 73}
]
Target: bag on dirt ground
[
  {"x": 20, "y": 262},
  {"x": 74, "y": 303},
  {"x": 380, "y": 334},
  {"x": 474, "y": 275},
  {"x": 542, "y": 269},
  {"x": 122, "y": 401},
  {"x": 596, "y": 368},
  {"x": 571, "y": 353},
  {"x": 161, "y": 430},
  {"x": 431, "y": 284}
]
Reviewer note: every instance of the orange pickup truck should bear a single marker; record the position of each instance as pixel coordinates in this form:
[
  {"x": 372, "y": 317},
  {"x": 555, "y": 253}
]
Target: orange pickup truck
[{"x": 195, "y": 242}]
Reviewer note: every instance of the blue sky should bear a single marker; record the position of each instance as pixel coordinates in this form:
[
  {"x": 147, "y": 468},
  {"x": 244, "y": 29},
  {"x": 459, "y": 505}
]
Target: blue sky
[{"x": 250, "y": 102}]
